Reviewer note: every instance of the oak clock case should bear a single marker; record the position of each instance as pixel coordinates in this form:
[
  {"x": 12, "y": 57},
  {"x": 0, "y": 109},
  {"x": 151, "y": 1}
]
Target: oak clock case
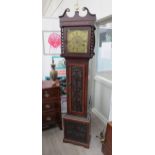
[{"x": 77, "y": 47}]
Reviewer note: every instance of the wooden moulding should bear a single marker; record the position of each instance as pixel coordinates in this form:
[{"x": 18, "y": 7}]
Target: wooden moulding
[
  {"x": 86, "y": 22},
  {"x": 76, "y": 20}
]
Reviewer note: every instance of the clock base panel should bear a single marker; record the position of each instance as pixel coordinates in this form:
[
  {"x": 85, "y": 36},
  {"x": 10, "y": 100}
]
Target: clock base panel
[{"x": 77, "y": 130}]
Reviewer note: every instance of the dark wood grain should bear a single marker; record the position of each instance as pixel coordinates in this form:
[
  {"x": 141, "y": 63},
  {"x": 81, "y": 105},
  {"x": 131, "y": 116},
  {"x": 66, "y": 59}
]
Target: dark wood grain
[
  {"x": 50, "y": 84},
  {"x": 107, "y": 144},
  {"x": 77, "y": 76},
  {"x": 76, "y": 20},
  {"x": 80, "y": 23},
  {"x": 72, "y": 93},
  {"x": 77, "y": 130},
  {"x": 51, "y": 105}
]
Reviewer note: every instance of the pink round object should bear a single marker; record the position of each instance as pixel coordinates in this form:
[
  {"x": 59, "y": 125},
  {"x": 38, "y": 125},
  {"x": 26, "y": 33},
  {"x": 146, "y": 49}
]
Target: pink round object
[{"x": 54, "y": 40}]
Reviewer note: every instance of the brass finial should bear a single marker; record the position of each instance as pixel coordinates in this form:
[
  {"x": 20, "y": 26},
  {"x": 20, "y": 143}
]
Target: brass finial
[{"x": 76, "y": 6}]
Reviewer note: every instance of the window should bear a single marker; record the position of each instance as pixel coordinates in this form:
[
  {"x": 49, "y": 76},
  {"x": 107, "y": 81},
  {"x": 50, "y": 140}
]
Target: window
[{"x": 104, "y": 50}]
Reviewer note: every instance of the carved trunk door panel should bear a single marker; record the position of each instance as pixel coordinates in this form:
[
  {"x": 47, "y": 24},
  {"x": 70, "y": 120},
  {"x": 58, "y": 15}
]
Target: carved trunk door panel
[
  {"x": 77, "y": 88},
  {"x": 76, "y": 131}
]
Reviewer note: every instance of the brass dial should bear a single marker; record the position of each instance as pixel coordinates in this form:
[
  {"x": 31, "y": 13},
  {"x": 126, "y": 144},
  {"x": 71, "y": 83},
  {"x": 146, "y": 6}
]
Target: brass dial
[{"x": 77, "y": 41}]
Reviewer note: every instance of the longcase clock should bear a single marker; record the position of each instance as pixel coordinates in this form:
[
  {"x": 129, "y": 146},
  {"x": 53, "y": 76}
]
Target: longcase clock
[{"x": 77, "y": 47}]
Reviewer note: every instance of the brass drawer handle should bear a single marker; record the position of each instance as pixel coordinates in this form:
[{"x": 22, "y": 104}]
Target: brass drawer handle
[
  {"x": 46, "y": 94},
  {"x": 47, "y": 106},
  {"x": 102, "y": 140},
  {"x": 48, "y": 118}
]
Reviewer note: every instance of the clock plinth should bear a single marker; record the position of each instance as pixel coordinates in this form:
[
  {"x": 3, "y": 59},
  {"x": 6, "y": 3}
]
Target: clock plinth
[
  {"x": 77, "y": 130},
  {"x": 77, "y": 47}
]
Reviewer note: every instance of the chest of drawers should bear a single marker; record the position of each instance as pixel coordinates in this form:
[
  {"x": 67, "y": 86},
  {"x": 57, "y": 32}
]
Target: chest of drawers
[
  {"x": 51, "y": 105},
  {"x": 107, "y": 145}
]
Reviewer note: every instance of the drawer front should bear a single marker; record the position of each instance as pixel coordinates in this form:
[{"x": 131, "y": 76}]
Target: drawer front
[
  {"x": 108, "y": 141},
  {"x": 48, "y": 93},
  {"x": 108, "y": 136},
  {"x": 107, "y": 145},
  {"x": 48, "y": 118},
  {"x": 50, "y": 105},
  {"x": 106, "y": 150}
]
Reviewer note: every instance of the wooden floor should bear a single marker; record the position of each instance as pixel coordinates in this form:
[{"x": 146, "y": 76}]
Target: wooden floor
[{"x": 52, "y": 142}]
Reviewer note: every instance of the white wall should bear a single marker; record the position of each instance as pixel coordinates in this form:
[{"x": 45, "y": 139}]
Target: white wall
[
  {"x": 101, "y": 8},
  {"x": 48, "y": 24},
  {"x": 102, "y": 84},
  {"x": 102, "y": 99}
]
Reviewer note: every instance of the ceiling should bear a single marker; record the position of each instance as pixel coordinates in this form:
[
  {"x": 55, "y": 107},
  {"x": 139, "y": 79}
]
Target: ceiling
[
  {"x": 53, "y": 8},
  {"x": 46, "y": 6}
]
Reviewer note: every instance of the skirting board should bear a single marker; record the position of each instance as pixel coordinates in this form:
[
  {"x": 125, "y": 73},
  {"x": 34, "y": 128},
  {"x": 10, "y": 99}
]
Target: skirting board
[{"x": 99, "y": 115}]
